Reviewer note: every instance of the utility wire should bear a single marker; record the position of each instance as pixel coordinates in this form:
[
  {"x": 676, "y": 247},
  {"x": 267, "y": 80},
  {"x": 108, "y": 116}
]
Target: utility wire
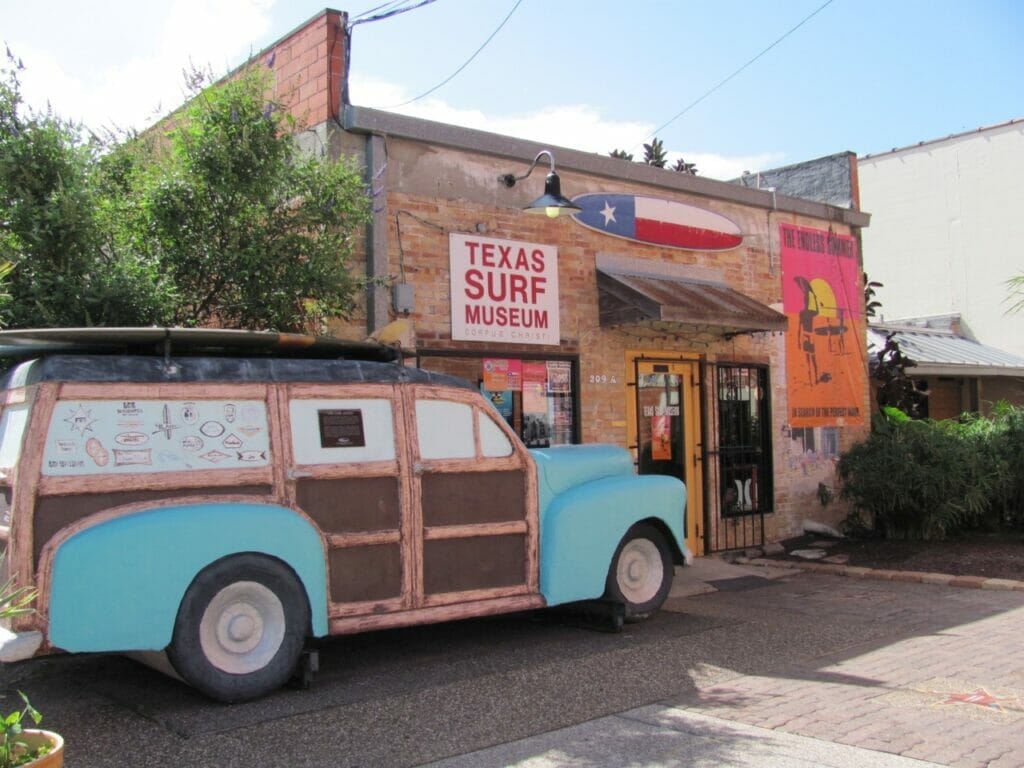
[
  {"x": 392, "y": 11},
  {"x": 466, "y": 64},
  {"x": 389, "y": 5},
  {"x": 693, "y": 104}
]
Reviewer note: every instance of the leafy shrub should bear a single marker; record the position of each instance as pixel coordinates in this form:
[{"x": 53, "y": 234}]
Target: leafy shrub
[
  {"x": 1009, "y": 445},
  {"x": 926, "y": 479}
]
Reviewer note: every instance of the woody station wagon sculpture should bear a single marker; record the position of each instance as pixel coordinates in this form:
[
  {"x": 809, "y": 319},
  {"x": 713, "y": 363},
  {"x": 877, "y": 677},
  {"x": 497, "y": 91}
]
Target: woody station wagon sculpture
[{"x": 221, "y": 497}]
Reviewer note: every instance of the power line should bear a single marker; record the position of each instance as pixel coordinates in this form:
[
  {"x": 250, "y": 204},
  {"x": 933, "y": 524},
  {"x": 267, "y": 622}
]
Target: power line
[
  {"x": 693, "y": 104},
  {"x": 465, "y": 64},
  {"x": 388, "y": 6},
  {"x": 392, "y": 10}
]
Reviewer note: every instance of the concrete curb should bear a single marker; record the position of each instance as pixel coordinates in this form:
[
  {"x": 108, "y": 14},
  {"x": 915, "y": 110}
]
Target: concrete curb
[{"x": 915, "y": 577}]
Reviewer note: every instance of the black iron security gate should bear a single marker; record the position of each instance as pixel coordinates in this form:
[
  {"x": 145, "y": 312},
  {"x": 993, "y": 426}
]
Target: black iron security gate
[{"x": 744, "y": 452}]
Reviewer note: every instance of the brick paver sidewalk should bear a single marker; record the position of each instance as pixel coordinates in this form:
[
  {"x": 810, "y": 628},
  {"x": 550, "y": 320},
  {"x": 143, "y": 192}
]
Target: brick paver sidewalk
[{"x": 943, "y": 682}]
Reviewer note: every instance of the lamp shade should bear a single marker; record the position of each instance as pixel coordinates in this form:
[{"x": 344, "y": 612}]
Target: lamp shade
[{"x": 551, "y": 203}]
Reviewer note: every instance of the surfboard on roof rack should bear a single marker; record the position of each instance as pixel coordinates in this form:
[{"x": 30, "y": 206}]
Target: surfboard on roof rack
[{"x": 33, "y": 342}]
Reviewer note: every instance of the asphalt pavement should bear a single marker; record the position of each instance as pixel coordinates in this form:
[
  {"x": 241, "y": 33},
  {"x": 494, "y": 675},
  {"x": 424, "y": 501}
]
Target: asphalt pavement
[{"x": 745, "y": 665}]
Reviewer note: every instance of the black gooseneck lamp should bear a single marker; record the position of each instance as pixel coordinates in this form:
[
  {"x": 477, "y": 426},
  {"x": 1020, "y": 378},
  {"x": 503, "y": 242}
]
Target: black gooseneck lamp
[{"x": 551, "y": 203}]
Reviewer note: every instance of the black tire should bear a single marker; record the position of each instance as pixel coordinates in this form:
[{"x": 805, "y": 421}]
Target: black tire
[
  {"x": 640, "y": 574},
  {"x": 250, "y": 642}
]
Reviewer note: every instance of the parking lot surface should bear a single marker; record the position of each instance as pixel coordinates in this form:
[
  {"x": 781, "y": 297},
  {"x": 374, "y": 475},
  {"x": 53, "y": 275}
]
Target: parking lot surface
[{"x": 811, "y": 662}]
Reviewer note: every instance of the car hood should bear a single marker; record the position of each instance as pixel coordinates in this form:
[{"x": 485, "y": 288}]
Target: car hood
[{"x": 566, "y": 466}]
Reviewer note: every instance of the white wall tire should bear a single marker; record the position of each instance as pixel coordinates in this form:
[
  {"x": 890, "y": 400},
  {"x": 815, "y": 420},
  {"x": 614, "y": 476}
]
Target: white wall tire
[
  {"x": 240, "y": 628},
  {"x": 640, "y": 574}
]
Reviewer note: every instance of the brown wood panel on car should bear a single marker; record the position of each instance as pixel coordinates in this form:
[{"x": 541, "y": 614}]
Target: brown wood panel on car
[
  {"x": 463, "y": 498},
  {"x": 363, "y": 574},
  {"x": 53, "y": 513},
  {"x": 351, "y": 505},
  {"x": 484, "y": 562}
]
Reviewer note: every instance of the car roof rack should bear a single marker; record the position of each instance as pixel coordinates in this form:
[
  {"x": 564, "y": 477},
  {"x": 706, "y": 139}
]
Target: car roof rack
[{"x": 164, "y": 342}]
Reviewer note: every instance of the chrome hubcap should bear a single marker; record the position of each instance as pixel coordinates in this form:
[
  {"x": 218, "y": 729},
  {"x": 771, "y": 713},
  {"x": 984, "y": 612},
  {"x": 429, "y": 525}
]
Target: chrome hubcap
[
  {"x": 242, "y": 628},
  {"x": 640, "y": 571}
]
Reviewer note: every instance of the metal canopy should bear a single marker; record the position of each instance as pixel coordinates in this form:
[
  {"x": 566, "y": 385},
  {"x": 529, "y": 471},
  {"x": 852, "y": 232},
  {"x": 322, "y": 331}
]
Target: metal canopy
[{"x": 658, "y": 303}]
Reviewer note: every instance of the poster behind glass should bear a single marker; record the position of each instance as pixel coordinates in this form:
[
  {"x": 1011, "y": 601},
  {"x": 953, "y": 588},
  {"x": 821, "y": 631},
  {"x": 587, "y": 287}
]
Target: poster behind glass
[{"x": 534, "y": 397}]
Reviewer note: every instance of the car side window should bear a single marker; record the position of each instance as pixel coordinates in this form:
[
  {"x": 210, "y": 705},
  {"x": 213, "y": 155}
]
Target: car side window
[
  {"x": 12, "y": 428},
  {"x": 445, "y": 430},
  {"x": 342, "y": 431},
  {"x": 493, "y": 441},
  {"x": 88, "y": 437}
]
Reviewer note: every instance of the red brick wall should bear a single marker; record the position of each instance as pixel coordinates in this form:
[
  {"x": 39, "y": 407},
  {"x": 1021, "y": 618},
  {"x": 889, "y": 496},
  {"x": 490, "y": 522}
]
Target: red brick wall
[
  {"x": 432, "y": 191},
  {"x": 308, "y": 68},
  {"x": 752, "y": 269}
]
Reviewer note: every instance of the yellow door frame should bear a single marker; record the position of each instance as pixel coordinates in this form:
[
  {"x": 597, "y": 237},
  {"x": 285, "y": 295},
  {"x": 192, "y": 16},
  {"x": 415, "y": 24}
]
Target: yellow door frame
[{"x": 688, "y": 367}]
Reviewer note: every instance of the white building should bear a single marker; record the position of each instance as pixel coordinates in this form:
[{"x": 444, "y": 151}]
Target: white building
[{"x": 947, "y": 230}]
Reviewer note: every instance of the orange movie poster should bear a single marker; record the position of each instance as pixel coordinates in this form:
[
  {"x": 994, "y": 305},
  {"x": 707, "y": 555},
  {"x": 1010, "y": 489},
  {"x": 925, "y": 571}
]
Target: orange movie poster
[{"x": 825, "y": 354}]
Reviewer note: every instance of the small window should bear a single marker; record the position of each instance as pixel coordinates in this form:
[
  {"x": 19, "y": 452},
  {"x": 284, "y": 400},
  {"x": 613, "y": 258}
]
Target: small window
[
  {"x": 342, "y": 431},
  {"x": 830, "y": 442},
  {"x": 445, "y": 430},
  {"x": 538, "y": 399},
  {"x": 494, "y": 442},
  {"x": 12, "y": 427}
]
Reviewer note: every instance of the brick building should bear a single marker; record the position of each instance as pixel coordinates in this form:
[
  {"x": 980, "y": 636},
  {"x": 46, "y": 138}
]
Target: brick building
[{"x": 715, "y": 330}]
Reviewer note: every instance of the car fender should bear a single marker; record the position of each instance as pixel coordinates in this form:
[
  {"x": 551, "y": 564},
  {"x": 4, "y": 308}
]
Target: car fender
[
  {"x": 582, "y": 527},
  {"x": 116, "y": 585}
]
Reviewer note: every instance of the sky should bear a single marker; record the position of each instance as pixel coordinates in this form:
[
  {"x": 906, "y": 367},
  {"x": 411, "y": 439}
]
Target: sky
[{"x": 731, "y": 85}]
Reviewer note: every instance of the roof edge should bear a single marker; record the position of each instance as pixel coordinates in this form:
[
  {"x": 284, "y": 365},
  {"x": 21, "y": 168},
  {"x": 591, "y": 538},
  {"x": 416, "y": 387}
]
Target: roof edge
[
  {"x": 952, "y": 369},
  {"x": 366, "y": 120},
  {"x": 929, "y": 142}
]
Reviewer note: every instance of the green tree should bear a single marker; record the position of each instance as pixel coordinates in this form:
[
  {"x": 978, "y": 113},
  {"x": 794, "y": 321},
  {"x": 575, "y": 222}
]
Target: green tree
[
  {"x": 654, "y": 153},
  {"x": 60, "y": 273},
  {"x": 682, "y": 166},
  {"x": 621, "y": 154},
  {"x": 896, "y": 388},
  {"x": 252, "y": 232},
  {"x": 1016, "y": 286},
  {"x": 218, "y": 219},
  {"x": 5, "y": 294}
]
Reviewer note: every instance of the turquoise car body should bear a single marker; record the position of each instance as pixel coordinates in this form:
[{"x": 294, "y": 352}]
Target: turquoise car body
[
  {"x": 589, "y": 497},
  {"x": 148, "y": 559}
]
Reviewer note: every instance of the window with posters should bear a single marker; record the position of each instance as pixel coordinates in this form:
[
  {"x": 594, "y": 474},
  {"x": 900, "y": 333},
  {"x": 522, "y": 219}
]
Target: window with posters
[{"x": 537, "y": 396}]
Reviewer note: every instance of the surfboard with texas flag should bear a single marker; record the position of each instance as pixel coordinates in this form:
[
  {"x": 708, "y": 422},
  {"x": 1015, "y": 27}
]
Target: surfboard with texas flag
[{"x": 659, "y": 222}]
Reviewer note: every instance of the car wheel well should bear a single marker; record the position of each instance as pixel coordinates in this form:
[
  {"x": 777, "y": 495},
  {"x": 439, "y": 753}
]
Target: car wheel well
[{"x": 656, "y": 522}]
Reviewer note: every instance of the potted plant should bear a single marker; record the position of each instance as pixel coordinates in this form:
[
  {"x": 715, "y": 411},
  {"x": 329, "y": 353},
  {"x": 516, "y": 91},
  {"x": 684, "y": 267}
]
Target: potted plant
[
  {"x": 21, "y": 746},
  {"x": 28, "y": 746}
]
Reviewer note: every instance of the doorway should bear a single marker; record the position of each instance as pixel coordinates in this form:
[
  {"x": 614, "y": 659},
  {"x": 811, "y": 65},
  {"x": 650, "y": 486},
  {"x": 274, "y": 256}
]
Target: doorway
[{"x": 664, "y": 420}]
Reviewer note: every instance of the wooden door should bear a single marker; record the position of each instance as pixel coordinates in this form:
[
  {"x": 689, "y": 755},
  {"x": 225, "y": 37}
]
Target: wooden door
[{"x": 665, "y": 430}]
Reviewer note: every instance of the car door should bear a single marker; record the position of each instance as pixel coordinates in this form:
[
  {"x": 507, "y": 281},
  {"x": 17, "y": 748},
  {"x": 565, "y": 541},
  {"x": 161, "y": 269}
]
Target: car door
[
  {"x": 346, "y": 474},
  {"x": 474, "y": 491}
]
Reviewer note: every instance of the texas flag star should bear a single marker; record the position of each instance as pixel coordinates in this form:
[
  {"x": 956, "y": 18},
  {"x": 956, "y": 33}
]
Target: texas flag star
[{"x": 608, "y": 212}]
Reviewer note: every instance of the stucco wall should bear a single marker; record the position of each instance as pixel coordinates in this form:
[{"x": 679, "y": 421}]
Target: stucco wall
[{"x": 946, "y": 230}]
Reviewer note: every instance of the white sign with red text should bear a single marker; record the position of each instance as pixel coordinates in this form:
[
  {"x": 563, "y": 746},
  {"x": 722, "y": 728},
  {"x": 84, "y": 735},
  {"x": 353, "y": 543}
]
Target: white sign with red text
[{"x": 503, "y": 290}]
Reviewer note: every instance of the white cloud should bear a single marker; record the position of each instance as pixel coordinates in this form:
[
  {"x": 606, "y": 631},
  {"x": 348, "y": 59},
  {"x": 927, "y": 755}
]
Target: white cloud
[
  {"x": 110, "y": 91},
  {"x": 215, "y": 33},
  {"x": 576, "y": 126}
]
